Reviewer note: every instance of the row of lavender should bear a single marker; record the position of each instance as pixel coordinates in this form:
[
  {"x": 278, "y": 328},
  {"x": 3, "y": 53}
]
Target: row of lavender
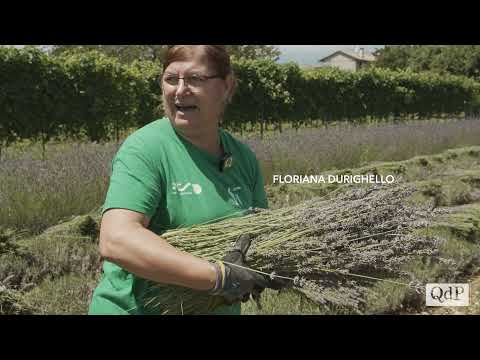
[{"x": 73, "y": 180}]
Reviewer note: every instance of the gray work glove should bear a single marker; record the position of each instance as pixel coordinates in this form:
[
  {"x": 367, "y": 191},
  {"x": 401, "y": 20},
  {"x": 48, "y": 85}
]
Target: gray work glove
[{"x": 237, "y": 283}]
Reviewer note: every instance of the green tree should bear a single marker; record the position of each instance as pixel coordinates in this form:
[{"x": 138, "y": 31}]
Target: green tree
[
  {"x": 443, "y": 59},
  {"x": 130, "y": 53},
  {"x": 32, "y": 99},
  {"x": 394, "y": 57},
  {"x": 124, "y": 53},
  {"x": 255, "y": 52}
]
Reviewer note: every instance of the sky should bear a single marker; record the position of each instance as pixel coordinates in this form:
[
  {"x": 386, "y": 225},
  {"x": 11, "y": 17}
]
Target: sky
[{"x": 310, "y": 54}]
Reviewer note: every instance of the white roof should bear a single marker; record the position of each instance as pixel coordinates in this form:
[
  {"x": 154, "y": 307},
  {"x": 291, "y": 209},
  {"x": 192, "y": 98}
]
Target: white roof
[{"x": 352, "y": 54}]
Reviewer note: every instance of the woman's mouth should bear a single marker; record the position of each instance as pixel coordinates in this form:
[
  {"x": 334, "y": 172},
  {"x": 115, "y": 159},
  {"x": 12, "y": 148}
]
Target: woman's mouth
[{"x": 185, "y": 108}]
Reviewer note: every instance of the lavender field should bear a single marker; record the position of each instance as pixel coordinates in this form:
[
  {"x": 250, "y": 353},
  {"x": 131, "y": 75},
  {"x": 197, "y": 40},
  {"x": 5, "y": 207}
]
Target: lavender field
[
  {"x": 73, "y": 179},
  {"x": 36, "y": 194},
  {"x": 310, "y": 151}
]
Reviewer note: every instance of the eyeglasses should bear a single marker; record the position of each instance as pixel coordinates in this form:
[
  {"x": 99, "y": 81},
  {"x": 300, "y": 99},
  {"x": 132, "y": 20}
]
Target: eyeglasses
[{"x": 196, "y": 81}]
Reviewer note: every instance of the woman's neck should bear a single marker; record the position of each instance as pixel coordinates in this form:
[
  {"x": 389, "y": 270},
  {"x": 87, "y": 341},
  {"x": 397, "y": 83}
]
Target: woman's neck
[{"x": 208, "y": 141}]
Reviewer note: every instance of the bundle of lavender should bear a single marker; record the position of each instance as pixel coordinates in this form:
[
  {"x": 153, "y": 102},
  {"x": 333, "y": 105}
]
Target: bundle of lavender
[{"x": 330, "y": 249}]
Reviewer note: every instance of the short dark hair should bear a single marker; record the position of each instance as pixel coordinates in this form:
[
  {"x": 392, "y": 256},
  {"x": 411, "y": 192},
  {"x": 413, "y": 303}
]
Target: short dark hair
[{"x": 217, "y": 56}]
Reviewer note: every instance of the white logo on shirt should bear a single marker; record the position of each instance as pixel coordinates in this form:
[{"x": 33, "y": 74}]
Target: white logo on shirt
[
  {"x": 195, "y": 189},
  {"x": 236, "y": 199},
  {"x": 186, "y": 189}
]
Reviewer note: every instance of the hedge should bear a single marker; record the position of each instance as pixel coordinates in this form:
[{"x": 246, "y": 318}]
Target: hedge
[{"x": 93, "y": 95}]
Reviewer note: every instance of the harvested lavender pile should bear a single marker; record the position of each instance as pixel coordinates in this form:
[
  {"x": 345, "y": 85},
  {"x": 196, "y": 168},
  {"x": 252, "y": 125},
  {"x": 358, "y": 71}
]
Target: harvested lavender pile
[{"x": 332, "y": 248}]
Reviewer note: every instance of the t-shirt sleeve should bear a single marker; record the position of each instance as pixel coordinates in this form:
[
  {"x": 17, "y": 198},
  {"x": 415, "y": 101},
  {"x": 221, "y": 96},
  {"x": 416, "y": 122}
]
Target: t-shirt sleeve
[
  {"x": 135, "y": 183},
  {"x": 259, "y": 194}
]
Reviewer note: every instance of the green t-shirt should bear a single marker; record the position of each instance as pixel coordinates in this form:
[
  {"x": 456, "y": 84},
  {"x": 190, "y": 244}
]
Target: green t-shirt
[{"x": 176, "y": 184}]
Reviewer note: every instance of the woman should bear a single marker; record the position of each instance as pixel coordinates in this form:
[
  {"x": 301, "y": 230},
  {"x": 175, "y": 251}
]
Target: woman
[{"x": 178, "y": 171}]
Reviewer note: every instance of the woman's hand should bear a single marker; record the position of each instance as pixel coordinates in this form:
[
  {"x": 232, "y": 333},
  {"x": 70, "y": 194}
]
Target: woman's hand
[{"x": 235, "y": 281}]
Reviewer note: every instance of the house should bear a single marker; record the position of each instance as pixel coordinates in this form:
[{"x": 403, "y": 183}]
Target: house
[{"x": 348, "y": 60}]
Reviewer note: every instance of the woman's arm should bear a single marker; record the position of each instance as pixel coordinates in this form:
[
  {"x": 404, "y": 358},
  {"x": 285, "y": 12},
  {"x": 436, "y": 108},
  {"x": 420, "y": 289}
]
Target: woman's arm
[{"x": 126, "y": 241}]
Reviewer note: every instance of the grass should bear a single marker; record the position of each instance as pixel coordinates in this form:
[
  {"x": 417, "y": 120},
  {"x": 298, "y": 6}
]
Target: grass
[
  {"x": 287, "y": 303},
  {"x": 67, "y": 295},
  {"x": 67, "y": 249}
]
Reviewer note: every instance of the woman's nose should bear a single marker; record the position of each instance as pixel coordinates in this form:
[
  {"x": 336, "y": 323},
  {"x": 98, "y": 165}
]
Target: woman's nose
[{"x": 182, "y": 88}]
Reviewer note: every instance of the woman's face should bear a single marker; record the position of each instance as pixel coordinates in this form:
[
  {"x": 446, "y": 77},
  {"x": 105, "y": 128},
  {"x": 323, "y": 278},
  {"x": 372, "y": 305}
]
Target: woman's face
[{"x": 194, "y": 105}]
